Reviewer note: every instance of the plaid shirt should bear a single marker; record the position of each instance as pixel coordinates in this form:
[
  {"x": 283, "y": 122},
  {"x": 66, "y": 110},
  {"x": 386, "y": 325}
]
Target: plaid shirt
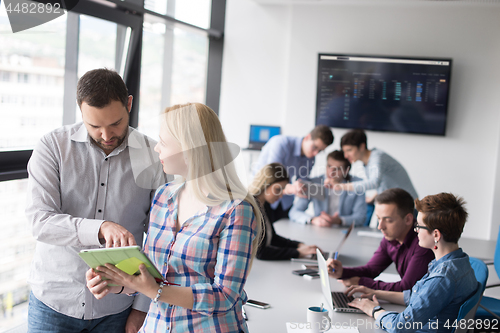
[{"x": 211, "y": 254}]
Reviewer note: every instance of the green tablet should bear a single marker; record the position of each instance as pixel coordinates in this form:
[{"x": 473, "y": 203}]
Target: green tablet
[{"x": 126, "y": 258}]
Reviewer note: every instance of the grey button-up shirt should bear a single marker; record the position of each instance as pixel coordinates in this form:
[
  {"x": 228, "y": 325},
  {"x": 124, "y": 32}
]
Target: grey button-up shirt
[{"x": 73, "y": 188}]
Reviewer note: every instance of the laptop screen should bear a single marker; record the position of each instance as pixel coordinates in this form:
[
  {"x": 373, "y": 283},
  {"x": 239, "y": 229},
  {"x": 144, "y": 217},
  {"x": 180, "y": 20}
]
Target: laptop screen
[
  {"x": 262, "y": 133},
  {"x": 325, "y": 279}
]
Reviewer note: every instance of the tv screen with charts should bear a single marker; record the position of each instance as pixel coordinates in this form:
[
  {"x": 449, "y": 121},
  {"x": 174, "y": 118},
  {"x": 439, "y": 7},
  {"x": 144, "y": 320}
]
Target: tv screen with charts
[{"x": 382, "y": 93}]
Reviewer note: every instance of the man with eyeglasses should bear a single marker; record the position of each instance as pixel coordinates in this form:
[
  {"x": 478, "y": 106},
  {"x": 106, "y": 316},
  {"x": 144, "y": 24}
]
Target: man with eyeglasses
[
  {"x": 394, "y": 209},
  {"x": 298, "y": 156}
]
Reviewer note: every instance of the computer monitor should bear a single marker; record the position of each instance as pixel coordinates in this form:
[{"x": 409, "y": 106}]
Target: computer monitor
[
  {"x": 260, "y": 134},
  {"x": 383, "y": 93}
]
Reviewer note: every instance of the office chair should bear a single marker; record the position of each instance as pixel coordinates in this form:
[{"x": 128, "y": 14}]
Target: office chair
[
  {"x": 468, "y": 308},
  {"x": 490, "y": 307}
]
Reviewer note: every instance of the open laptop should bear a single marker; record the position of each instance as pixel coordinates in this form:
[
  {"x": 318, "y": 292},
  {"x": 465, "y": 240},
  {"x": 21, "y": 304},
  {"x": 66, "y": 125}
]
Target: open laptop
[
  {"x": 337, "y": 299},
  {"x": 311, "y": 259},
  {"x": 260, "y": 134}
]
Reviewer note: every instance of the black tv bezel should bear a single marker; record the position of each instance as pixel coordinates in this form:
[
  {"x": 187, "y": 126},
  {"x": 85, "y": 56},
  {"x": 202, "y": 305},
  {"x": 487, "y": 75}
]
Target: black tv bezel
[{"x": 450, "y": 60}]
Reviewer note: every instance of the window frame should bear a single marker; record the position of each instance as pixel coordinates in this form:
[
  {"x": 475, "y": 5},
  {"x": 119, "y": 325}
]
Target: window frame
[{"x": 14, "y": 162}]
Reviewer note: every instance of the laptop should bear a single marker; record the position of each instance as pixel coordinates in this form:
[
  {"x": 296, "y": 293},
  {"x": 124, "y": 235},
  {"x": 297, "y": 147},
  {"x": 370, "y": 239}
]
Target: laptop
[
  {"x": 312, "y": 258},
  {"x": 338, "y": 299},
  {"x": 260, "y": 134}
]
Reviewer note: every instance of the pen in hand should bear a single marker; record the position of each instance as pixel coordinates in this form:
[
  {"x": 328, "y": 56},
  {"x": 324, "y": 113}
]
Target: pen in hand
[{"x": 335, "y": 258}]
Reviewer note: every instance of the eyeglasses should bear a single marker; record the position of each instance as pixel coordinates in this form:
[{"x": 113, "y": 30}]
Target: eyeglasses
[{"x": 416, "y": 227}]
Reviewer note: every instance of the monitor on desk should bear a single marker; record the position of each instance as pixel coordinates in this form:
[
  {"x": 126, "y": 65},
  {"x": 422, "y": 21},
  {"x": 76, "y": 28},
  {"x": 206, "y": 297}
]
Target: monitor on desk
[{"x": 260, "y": 134}]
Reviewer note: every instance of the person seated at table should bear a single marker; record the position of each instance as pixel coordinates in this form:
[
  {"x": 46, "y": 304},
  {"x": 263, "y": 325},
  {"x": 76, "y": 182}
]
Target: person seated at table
[
  {"x": 332, "y": 207},
  {"x": 435, "y": 299},
  {"x": 382, "y": 170},
  {"x": 394, "y": 209},
  {"x": 267, "y": 186}
]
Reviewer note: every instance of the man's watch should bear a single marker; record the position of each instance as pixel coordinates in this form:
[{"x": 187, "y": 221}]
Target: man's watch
[{"x": 375, "y": 309}]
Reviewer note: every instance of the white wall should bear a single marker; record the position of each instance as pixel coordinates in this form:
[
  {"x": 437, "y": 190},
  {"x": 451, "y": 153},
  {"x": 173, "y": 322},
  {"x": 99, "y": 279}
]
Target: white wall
[{"x": 269, "y": 77}]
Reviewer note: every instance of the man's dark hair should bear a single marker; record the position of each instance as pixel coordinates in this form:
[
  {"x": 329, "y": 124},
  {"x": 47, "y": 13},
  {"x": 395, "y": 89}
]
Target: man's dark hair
[
  {"x": 354, "y": 138},
  {"x": 402, "y": 199},
  {"x": 339, "y": 156},
  {"x": 99, "y": 87},
  {"x": 324, "y": 133}
]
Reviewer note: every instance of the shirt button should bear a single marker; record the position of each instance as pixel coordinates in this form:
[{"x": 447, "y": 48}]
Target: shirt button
[
  {"x": 106, "y": 159},
  {"x": 83, "y": 304},
  {"x": 99, "y": 210},
  {"x": 102, "y": 184},
  {"x": 165, "y": 263}
]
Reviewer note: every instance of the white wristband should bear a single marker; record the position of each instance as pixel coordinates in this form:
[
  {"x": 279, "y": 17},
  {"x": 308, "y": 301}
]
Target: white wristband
[{"x": 155, "y": 300}]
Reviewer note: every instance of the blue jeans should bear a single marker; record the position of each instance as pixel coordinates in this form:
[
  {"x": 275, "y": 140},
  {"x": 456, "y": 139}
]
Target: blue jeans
[{"x": 41, "y": 318}]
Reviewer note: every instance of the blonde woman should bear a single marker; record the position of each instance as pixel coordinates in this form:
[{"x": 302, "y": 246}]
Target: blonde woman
[
  {"x": 203, "y": 232},
  {"x": 267, "y": 187}
]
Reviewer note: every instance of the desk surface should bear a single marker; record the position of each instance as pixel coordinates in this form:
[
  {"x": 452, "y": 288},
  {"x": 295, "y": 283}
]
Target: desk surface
[{"x": 290, "y": 295}]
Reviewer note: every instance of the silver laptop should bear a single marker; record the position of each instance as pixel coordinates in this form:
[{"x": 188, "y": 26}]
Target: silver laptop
[{"x": 338, "y": 299}]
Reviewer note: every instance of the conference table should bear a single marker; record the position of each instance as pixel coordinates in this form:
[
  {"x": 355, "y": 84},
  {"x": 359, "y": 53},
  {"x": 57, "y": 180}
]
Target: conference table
[{"x": 290, "y": 295}]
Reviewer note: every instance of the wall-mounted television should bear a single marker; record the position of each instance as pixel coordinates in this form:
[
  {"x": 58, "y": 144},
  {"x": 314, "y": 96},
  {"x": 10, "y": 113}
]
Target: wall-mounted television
[{"x": 383, "y": 93}]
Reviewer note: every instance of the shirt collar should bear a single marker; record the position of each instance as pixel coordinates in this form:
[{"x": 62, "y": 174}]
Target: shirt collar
[
  {"x": 452, "y": 255},
  {"x": 132, "y": 140},
  {"x": 81, "y": 135},
  {"x": 297, "y": 150}
]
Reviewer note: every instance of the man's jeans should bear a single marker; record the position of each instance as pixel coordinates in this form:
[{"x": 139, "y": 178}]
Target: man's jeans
[{"x": 41, "y": 318}]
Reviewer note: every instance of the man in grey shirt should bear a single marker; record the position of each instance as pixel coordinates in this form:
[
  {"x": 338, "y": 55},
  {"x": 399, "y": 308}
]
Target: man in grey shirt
[
  {"x": 90, "y": 185},
  {"x": 382, "y": 170}
]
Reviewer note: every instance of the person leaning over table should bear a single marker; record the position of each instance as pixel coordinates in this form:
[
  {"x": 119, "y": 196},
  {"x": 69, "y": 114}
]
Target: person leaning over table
[
  {"x": 203, "y": 232},
  {"x": 335, "y": 208},
  {"x": 267, "y": 186},
  {"x": 382, "y": 170},
  {"x": 90, "y": 184},
  {"x": 394, "y": 209},
  {"x": 435, "y": 299},
  {"x": 298, "y": 155}
]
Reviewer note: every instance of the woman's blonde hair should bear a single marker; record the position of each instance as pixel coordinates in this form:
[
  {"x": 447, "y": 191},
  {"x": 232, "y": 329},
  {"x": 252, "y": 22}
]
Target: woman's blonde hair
[
  {"x": 209, "y": 157},
  {"x": 267, "y": 176}
]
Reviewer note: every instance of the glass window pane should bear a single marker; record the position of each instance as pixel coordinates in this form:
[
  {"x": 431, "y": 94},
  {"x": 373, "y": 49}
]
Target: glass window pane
[
  {"x": 17, "y": 246},
  {"x": 200, "y": 16},
  {"x": 173, "y": 70},
  {"x": 189, "y": 75},
  {"x": 195, "y": 12},
  {"x": 97, "y": 47},
  {"x": 31, "y": 81}
]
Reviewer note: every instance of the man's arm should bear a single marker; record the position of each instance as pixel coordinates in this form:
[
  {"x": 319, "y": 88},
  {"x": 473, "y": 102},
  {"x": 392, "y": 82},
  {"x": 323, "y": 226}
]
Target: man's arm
[
  {"x": 49, "y": 223},
  {"x": 416, "y": 267},
  {"x": 297, "y": 213},
  {"x": 377, "y": 264}
]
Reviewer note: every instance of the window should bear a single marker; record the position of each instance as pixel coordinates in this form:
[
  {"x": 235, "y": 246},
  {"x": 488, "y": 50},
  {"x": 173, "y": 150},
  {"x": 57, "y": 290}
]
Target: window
[
  {"x": 195, "y": 12},
  {"x": 173, "y": 71},
  {"x": 26, "y": 58}
]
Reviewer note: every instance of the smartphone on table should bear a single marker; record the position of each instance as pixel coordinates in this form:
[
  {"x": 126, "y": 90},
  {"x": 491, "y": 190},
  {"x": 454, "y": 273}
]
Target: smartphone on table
[
  {"x": 258, "y": 304},
  {"x": 304, "y": 271}
]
